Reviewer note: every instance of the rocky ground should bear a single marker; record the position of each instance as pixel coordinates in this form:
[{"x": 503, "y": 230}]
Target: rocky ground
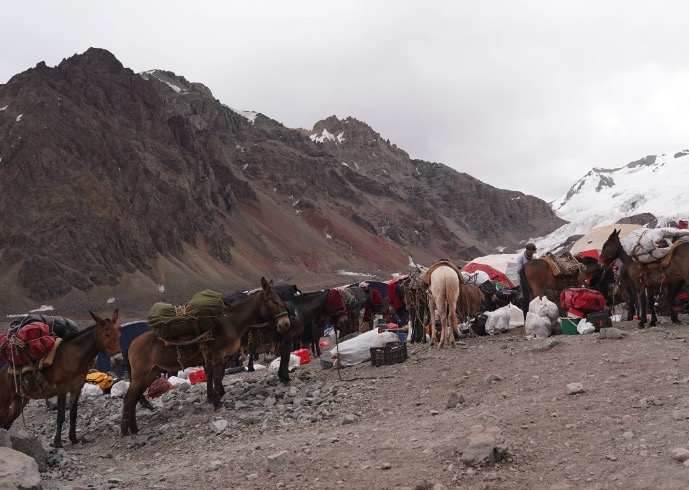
[{"x": 421, "y": 424}]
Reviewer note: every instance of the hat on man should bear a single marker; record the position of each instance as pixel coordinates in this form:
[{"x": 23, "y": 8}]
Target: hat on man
[
  {"x": 363, "y": 284},
  {"x": 530, "y": 246}
]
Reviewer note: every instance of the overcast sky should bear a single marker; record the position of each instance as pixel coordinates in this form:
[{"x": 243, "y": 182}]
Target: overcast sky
[{"x": 523, "y": 95}]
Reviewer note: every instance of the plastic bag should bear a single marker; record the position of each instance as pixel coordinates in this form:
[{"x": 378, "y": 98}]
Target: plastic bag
[
  {"x": 497, "y": 321},
  {"x": 542, "y": 306},
  {"x": 585, "y": 327},
  {"x": 537, "y": 326},
  {"x": 119, "y": 389},
  {"x": 358, "y": 349},
  {"x": 91, "y": 390},
  {"x": 294, "y": 362}
]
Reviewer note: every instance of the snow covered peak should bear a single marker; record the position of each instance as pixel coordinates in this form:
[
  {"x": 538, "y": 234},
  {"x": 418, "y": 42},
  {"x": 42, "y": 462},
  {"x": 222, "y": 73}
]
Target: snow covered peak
[{"x": 655, "y": 185}]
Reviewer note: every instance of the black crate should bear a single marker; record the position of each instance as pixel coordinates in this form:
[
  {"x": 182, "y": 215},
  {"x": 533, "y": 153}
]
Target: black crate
[
  {"x": 600, "y": 319},
  {"x": 392, "y": 353}
]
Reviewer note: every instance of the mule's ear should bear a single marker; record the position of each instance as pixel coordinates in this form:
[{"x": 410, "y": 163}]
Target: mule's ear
[
  {"x": 114, "y": 317},
  {"x": 98, "y": 319},
  {"x": 617, "y": 233},
  {"x": 264, "y": 283}
]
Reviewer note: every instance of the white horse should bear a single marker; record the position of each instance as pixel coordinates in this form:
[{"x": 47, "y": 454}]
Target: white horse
[{"x": 443, "y": 294}]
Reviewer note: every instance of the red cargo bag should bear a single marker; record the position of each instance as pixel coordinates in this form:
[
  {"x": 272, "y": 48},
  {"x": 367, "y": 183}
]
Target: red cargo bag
[
  {"x": 582, "y": 299},
  {"x": 30, "y": 343}
]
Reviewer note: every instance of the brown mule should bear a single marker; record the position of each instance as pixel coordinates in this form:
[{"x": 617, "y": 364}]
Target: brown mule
[
  {"x": 149, "y": 355},
  {"x": 73, "y": 358}
]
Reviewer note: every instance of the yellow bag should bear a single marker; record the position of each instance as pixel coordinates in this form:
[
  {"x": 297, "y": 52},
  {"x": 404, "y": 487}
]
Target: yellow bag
[{"x": 104, "y": 381}]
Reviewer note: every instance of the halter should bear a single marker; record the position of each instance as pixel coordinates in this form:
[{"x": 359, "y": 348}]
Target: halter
[{"x": 280, "y": 315}]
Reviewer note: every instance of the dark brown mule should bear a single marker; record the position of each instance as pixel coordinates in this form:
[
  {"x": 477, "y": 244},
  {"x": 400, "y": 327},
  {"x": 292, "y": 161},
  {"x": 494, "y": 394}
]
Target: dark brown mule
[
  {"x": 647, "y": 280},
  {"x": 73, "y": 358},
  {"x": 536, "y": 276},
  {"x": 307, "y": 308},
  {"x": 149, "y": 355}
]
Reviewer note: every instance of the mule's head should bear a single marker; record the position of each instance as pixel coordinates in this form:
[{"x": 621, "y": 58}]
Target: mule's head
[
  {"x": 611, "y": 249},
  {"x": 107, "y": 334},
  {"x": 273, "y": 308}
]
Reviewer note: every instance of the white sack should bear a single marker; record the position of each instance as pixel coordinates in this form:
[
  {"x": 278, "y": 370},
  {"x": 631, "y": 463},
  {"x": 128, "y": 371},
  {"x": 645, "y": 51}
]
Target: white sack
[
  {"x": 294, "y": 362},
  {"x": 119, "y": 389},
  {"x": 476, "y": 278},
  {"x": 497, "y": 321},
  {"x": 642, "y": 244},
  {"x": 91, "y": 390},
  {"x": 537, "y": 326},
  {"x": 174, "y": 381},
  {"x": 516, "y": 315},
  {"x": 542, "y": 306},
  {"x": 358, "y": 349}
]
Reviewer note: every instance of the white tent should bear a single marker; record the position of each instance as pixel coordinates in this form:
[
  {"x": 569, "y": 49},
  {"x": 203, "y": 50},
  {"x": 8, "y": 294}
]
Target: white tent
[
  {"x": 505, "y": 263},
  {"x": 595, "y": 238}
]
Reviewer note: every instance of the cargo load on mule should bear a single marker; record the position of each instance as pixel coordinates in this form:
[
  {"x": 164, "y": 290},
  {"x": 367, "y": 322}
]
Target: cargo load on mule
[
  {"x": 59, "y": 325},
  {"x": 196, "y": 317},
  {"x": 26, "y": 344}
]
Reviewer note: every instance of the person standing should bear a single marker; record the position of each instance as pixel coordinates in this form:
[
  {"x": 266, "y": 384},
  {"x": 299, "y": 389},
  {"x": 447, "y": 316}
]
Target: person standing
[
  {"x": 526, "y": 255},
  {"x": 374, "y": 303}
]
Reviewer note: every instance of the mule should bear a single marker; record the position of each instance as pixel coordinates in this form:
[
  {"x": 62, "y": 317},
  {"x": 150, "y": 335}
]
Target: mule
[
  {"x": 307, "y": 308},
  {"x": 536, "y": 276},
  {"x": 647, "y": 278},
  {"x": 443, "y": 293},
  {"x": 74, "y": 357},
  {"x": 149, "y": 355}
]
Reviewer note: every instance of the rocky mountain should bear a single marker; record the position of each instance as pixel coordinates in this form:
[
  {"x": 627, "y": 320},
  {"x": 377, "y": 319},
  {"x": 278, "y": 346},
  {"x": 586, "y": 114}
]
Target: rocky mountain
[{"x": 118, "y": 187}]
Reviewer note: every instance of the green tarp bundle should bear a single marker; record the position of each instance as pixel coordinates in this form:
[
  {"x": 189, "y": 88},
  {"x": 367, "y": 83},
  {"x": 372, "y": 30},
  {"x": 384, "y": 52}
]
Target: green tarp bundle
[{"x": 168, "y": 321}]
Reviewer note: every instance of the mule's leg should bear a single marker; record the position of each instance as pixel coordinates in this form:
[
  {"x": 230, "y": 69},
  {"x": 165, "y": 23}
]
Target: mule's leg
[
  {"x": 652, "y": 307},
  {"x": 283, "y": 370},
  {"x": 73, "y": 404},
  {"x": 641, "y": 305},
  {"x": 14, "y": 407},
  {"x": 217, "y": 373},
  {"x": 208, "y": 369},
  {"x": 61, "y": 400},
  {"x": 431, "y": 310},
  {"x": 135, "y": 393}
]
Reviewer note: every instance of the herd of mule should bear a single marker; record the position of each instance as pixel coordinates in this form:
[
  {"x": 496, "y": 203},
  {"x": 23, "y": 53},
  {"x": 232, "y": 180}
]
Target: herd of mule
[{"x": 426, "y": 292}]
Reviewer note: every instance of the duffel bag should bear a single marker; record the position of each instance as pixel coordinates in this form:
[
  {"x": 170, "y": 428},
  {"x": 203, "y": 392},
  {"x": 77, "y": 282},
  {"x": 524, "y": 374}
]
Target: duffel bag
[
  {"x": 30, "y": 343},
  {"x": 582, "y": 299}
]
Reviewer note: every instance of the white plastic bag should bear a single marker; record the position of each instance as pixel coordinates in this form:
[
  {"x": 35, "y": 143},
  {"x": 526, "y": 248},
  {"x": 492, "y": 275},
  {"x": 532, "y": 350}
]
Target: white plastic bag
[
  {"x": 91, "y": 390},
  {"x": 358, "y": 349},
  {"x": 542, "y": 306},
  {"x": 294, "y": 362},
  {"x": 537, "y": 326},
  {"x": 585, "y": 327},
  {"x": 174, "y": 381},
  {"x": 516, "y": 316},
  {"x": 497, "y": 321},
  {"x": 119, "y": 389}
]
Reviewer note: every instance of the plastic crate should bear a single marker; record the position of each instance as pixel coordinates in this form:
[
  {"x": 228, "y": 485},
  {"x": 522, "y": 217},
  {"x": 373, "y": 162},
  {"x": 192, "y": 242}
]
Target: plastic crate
[
  {"x": 392, "y": 353},
  {"x": 569, "y": 326}
]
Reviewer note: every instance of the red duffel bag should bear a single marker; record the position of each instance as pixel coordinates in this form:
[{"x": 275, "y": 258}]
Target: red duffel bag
[
  {"x": 582, "y": 299},
  {"x": 30, "y": 343}
]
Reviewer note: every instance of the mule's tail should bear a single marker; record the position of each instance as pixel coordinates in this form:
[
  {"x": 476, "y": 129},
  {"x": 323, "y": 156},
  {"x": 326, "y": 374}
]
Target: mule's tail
[{"x": 527, "y": 292}]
